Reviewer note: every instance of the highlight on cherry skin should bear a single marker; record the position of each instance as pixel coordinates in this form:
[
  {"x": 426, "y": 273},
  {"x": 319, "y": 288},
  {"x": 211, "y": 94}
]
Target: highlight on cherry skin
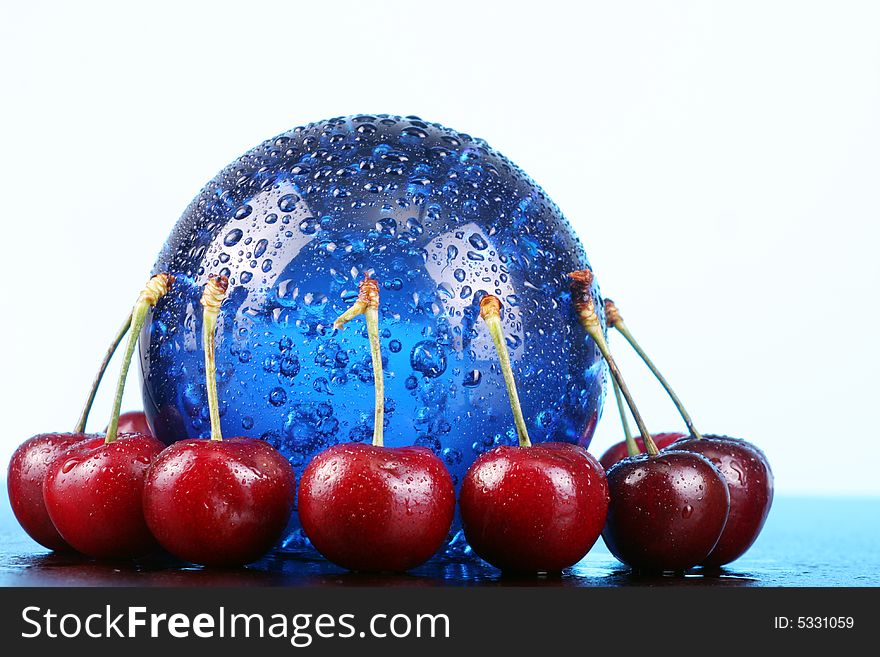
[
  {"x": 743, "y": 465},
  {"x": 530, "y": 508},
  {"x": 368, "y": 507},
  {"x": 93, "y": 491},
  {"x": 667, "y": 510},
  {"x": 218, "y": 502}
]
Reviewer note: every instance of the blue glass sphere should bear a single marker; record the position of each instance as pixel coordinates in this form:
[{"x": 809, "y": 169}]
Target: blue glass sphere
[{"x": 440, "y": 219}]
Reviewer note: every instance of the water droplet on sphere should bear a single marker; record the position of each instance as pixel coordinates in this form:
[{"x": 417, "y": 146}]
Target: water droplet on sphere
[
  {"x": 287, "y": 203},
  {"x": 428, "y": 358},
  {"x": 232, "y": 237}
]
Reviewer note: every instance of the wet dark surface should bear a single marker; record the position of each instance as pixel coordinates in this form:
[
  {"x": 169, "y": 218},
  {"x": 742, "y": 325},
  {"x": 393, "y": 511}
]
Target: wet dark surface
[{"x": 806, "y": 542}]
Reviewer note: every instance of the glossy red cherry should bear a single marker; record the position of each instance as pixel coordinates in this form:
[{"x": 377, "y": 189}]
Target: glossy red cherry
[
  {"x": 530, "y": 508},
  {"x": 31, "y": 460},
  {"x": 667, "y": 512},
  {"x": 93, "y": 495},
  {"x": 134, "y": 422},
  {"x": 744, "y": 467},
  {"x": 534, "y": 509},
  {"x": 373, "y": 508},
  {"x": 667, "y": 509},
  {"x": 750, "y": 483},
  {"x": 94, "y": 491},
  {"x": 24, "y": 482},
  {"x": 219, "y": 502},
  {"x": 618, "y": 451}
]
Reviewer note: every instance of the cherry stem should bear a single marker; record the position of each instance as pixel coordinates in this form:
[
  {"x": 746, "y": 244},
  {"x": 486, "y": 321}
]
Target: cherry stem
[
  {"x": 96, "y": 382},
  {"x": 582, "y": 296},
  {"x": 212, "y": 297},
  {"x": 156, "y": 288},
  {"x": 367, "y": 304},
  {"x": 612, "y": 314},
  {"x": 490, "y": 311},
  {"x": 632, "y": 447}
]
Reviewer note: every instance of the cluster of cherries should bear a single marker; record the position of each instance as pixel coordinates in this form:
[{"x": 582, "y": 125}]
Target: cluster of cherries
[
  {"x": 367, "y": 507},
  {"x": 125, "y": 494},
  {"x": 688, "y": 500}
]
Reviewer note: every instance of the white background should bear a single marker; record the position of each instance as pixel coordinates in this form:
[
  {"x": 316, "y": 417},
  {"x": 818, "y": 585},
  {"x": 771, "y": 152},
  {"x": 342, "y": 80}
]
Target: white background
[{"x": 720, "y": 161}]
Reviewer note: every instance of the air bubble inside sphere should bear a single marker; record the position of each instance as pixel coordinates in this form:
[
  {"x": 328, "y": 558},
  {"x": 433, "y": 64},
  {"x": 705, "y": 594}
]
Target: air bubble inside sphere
[{"x": 440, "y": 219}]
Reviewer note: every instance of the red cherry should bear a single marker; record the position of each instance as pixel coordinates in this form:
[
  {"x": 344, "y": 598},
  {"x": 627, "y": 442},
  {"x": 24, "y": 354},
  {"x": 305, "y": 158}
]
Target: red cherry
[
  {"x": 30, "y": 462},
  {"x": 27, "y": 470},
  {"x": 667, "y": 511},
  {"x": 94, "y": 491},
  {"x": 618, "y": 452},
  {"x": 134, "y": 422},
  {"x": 219, "y": 502},
  {"x": 743, "y": 466},
  {"x": 534, "y": 509},
  {"x": 750, "y": 482},
  {"x": 530, "y": 508},
  {"x": 372, "y": 508}
]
